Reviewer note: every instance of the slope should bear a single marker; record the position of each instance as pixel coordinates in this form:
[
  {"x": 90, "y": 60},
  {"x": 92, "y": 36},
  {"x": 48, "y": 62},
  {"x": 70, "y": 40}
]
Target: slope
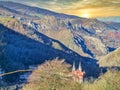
[
  {"x": 33, "y": 11},
  {"x": 111, "y": 59}
]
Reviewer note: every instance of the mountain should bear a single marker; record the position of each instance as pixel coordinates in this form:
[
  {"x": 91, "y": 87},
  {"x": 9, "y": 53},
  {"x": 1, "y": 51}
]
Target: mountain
[
  {"x": 110, "y": 19},
  {"x": 33, "y": 35},
  {"x": 33, "y": 11},
  {"x": 111, "y": 59},
  {"x": 26, "y": 46},
  {"x": 82, "y": 35},
  {"x": 7, "y": 11},
  {"x": 80, "y": 31}
]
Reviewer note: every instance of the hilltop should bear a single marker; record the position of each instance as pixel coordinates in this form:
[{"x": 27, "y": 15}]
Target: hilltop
[{"x": 111, "y": 59}]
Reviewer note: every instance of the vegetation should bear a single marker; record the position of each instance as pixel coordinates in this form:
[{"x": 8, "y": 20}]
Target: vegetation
[
  {"x": 52, "y": 76},
  {"x": 2, "y": 57},
  {"x": 48, "y": 77},
  {"x": 2, "y": 44},
  {"x": 6, "y": 65},
  {"x": 108, "y": 81},
  {"x": 65, "y": 37},
  {"x": 111, "y": 59},
  {"x": 52, "y": 35}
]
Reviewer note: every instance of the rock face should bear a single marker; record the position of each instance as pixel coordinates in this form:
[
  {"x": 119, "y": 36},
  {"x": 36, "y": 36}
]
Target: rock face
[
  {"x": 104, "y": 35},
  {"x": 95, "y": 45}
]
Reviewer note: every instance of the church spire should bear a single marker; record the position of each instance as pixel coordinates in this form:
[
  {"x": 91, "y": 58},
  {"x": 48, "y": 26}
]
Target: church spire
[
  {"x": 79, "y": 67},
  {"x": 73, "y": 67}
]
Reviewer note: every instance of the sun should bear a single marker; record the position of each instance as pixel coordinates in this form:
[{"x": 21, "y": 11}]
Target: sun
[{"x": 85, "y": 15}]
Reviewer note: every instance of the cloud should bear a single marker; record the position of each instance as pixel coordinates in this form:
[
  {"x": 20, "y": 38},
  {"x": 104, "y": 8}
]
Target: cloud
[{"x": 95, "y": 8}]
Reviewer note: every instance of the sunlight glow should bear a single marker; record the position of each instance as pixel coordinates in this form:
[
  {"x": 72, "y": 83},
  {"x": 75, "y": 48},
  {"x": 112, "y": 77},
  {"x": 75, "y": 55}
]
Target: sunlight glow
[{"x": 85, "y": 15}]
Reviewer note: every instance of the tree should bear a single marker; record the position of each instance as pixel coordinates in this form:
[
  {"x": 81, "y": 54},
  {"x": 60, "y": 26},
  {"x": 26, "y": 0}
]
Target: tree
[
  {"x": 52, "y": 75},
  {"x": 5, "y": 64}
]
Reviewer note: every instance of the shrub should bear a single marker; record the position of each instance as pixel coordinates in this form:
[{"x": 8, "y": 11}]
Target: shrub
[
  {"x": 51, "y": 76},
  {"x": 108, "y": 81}
]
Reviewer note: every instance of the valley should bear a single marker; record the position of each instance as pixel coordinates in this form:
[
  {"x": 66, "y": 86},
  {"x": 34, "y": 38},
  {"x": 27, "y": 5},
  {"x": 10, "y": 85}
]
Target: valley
[{"x": 30, "y": 35}]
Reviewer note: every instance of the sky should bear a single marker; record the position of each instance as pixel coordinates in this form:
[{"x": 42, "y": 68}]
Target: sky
[{"x": 82, "y": 8}]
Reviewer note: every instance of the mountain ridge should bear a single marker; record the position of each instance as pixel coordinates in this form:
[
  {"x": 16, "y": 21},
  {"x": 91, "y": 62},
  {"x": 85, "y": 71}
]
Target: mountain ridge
[
  {"x": 35, "y": 10},
  {"x": 110, "y": 19}
]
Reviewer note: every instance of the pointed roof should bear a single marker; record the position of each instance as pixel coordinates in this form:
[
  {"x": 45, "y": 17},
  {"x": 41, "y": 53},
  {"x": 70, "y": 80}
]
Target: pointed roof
[
  {"x": 79, "y": 67},
  {"x": 73, "y": 67}
]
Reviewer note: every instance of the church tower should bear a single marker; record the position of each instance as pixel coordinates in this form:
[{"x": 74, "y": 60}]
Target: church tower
[
  {"x": 73, "y": 67},
  {"x": 80, "y": 67},
  {"x": 77, "y": 74}
]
